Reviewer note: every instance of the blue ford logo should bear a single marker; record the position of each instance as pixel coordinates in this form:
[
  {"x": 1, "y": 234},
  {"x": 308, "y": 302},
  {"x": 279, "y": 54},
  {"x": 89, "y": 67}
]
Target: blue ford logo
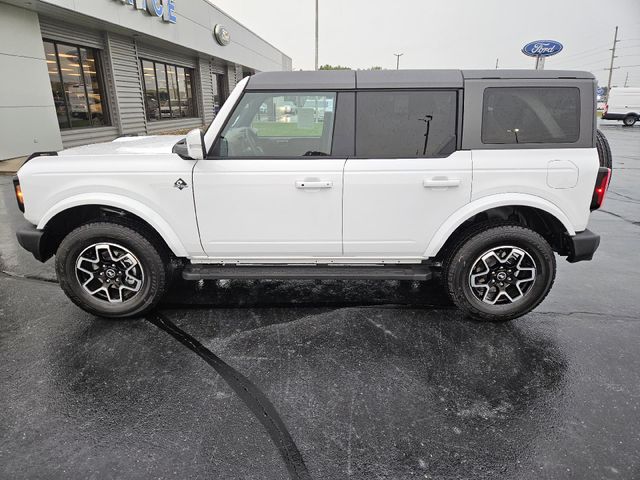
[{"x": 542, "y": 48}]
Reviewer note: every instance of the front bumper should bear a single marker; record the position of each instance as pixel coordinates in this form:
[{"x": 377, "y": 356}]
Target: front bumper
[
  {"x": 31, "y": 239},
  {"x": 582, "y": 246}
]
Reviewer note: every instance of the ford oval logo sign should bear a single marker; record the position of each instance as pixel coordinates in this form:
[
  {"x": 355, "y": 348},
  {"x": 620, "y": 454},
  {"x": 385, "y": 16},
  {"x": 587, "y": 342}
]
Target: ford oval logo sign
[
  {"x": 542, "y": 48},
  {"x": 222, "y": 35}
]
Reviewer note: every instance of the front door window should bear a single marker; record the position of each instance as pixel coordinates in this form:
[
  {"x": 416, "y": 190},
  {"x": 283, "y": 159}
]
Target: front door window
[{"x": 285, "y": 125}]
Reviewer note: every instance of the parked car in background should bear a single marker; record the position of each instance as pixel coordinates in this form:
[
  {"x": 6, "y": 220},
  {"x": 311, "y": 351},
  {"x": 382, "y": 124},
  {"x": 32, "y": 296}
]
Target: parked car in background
[
  {"x": 623, "y": 104},
  {"x": 478, "y": 178},
  {"x": 287, "y": 108},
  {"x": 319, "y": 106}
]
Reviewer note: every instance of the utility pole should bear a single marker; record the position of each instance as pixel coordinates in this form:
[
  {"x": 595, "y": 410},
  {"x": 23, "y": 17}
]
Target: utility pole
[
  {"x": 497, "y": 61},
  {"x": 398, "y": 55},
  {"x": 316, "y": 34},
  {"x": 613, "y": 56}
]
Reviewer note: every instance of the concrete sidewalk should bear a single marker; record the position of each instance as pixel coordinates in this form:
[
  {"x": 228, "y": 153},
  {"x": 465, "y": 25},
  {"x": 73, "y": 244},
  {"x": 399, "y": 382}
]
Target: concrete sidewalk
[{"x": 11, "y": 166}]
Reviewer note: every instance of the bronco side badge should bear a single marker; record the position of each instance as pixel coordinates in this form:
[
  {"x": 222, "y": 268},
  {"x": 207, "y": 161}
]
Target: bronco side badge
[{"x": 180, "y": 184}]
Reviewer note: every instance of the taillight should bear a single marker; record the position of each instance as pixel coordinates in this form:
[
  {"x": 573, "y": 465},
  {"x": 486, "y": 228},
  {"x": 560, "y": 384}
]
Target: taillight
[
  {"x": 606, "y": 108},
  {"x": 19, "y": 196},
  {"x": 602, "y": 184}
]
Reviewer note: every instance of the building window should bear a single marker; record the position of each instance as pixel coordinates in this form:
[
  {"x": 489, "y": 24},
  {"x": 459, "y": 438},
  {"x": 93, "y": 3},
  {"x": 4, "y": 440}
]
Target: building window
[
  {"x": 168, "y": 91},
  {"x": 513, "y": 115},
  {"x": 406, "y": 124},
  {"x": 218, "y": 92},
  {"x": 76, "y": 83}
]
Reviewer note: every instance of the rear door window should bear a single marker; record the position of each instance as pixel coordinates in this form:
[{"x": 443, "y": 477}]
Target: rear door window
[
  {"x": 406, "y": 124},
  {"x": 514, "y": 115}
]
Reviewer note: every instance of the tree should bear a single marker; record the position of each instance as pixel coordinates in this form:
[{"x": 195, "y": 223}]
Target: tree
[{"x": 333, "y": 67}]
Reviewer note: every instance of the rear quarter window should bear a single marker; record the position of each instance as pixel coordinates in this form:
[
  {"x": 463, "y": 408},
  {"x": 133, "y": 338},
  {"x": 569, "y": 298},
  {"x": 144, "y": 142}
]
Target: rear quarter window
[{"x": 515, "y": 115}]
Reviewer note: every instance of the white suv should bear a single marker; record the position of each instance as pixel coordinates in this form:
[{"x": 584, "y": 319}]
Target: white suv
[{"x": 476, "y": 177}]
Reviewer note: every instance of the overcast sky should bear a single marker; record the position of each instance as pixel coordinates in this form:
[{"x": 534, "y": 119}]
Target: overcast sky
[{"x": 448, "y": 33}]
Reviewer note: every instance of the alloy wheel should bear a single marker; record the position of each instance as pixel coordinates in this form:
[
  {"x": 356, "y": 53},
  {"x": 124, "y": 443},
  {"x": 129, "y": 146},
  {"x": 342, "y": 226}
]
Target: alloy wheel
[
  {"x": 502, "y": 275},
  {"x": 109, "y": 272}
]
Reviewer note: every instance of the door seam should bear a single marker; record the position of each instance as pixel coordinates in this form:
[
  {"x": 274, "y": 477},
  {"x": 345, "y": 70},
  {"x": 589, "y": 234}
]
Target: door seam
[
  {"x": 195, "y": 205},
  {"x": 344, "y": 168}
]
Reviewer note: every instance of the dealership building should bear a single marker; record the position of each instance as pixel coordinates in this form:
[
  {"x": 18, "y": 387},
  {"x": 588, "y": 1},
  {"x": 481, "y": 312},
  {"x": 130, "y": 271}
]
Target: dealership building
[{"x": 86, "y": 71}]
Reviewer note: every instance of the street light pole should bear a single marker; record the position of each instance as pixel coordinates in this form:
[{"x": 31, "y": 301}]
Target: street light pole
[
  {"x": 316, "y": 34},
  {"x": 398, "y": 55}
]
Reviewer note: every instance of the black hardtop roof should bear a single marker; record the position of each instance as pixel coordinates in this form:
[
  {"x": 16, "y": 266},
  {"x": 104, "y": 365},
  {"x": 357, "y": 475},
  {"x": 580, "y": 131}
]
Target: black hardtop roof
[{"x": 369, "y": 79}]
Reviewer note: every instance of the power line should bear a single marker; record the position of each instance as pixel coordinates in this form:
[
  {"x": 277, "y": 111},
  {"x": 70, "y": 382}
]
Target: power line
[
  {"x": 581, "y": 65},
  {"x": 629, "y": 46},
  {"x": 572, "y": 66},
  {"x": 578, "y": 56},
  {"x": 595, "y": 62},
  {"x": 586, "y": 57},
  {"x": 587, "y": 52}
]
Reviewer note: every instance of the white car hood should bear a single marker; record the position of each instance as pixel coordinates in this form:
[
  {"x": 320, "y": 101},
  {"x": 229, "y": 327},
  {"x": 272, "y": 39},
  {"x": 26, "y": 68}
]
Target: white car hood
[{"x": 157, "y": 144}]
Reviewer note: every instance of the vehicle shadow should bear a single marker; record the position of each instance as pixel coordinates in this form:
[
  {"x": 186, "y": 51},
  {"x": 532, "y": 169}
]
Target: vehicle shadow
[{"x": 303, "y": 293}]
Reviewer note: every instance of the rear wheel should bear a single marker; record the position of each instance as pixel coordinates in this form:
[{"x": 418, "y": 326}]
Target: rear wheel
[
  {"x": 111, "y": 270},
  {"x": 630, "y": 120},
  {"x": 500, "y": 273}
]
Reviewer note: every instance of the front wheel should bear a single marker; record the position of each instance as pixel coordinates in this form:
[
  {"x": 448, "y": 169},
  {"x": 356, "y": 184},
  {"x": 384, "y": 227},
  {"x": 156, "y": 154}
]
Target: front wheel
[
  {"x": 111, "y": 270},
  {"x": 629, "y": 120},
  {"x": 500, "y": 273}
]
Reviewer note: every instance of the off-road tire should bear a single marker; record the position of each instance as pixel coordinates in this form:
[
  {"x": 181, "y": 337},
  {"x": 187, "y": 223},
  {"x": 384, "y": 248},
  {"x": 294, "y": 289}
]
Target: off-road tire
[
  {"x": 604, "y": 150},
  {"x": 152, "y": 257},
  {"x": 457, "y": 269}
]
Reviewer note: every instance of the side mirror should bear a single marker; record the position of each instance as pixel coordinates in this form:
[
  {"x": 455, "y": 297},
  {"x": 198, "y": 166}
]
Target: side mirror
[{"x": 195, "y": 144}]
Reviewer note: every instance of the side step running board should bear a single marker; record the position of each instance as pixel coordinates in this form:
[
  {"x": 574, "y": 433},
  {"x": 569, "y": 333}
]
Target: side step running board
[{"x": 320, "y": 272}]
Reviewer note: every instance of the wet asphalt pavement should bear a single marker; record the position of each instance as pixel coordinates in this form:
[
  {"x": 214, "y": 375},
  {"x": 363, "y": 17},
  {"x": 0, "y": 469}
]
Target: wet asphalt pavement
[{"x": 372, "y": 380}]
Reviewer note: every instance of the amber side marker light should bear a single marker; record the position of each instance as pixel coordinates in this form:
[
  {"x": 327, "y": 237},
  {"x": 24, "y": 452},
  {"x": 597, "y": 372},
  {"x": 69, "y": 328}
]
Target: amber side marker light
[{"x": 19, "y": 196}]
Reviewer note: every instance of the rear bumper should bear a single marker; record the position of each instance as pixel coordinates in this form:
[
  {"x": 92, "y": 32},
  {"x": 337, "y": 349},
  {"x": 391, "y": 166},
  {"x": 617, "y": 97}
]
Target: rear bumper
[
  {"x": 30, "y": 238},
  {"x": 614, "y": 116},
  {"x": 582, "y": 246}
]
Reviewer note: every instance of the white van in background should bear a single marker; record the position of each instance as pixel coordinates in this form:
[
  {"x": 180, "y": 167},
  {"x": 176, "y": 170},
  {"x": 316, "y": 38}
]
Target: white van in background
[{"x": 623, "y": 104}]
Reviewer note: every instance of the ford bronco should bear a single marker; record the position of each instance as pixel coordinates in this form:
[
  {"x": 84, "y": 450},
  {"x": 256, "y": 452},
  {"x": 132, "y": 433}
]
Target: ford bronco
[{"x": 478, "y": 178}]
